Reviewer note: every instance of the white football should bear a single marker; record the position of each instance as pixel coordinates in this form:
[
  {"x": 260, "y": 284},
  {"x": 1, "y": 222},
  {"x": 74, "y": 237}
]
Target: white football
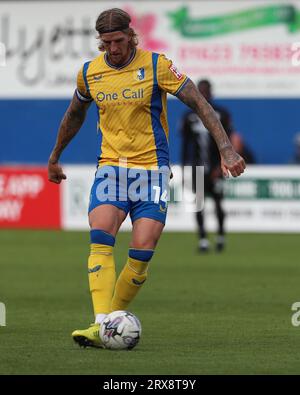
[{"x": 120, "y": 330}]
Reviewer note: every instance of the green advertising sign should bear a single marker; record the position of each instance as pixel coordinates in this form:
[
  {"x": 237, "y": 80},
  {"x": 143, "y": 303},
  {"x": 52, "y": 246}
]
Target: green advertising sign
[
  {"x": 251, "y": 188},
  {"x": 237, "y": 21}
]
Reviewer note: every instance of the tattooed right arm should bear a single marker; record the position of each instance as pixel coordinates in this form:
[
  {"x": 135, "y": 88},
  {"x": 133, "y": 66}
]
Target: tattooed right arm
[{"x": 69, "y": 127}]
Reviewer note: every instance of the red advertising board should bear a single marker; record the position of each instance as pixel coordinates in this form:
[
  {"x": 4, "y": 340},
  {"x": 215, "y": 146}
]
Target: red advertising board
[{"x": 28, "y": 199}]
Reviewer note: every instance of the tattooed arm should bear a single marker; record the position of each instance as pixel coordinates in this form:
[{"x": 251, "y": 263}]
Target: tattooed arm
[
  {"x": 70, "y": 125},
  {"x": 230, "y": 160}
]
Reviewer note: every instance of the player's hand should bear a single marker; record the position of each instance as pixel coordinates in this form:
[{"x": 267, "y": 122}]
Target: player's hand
[
  {"x": 55, "y": 173},
  {"x": 232, "y": 162}
]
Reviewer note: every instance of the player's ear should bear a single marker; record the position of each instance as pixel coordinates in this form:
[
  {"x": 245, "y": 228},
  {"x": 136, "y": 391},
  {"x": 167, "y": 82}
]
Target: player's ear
[{"x": 130, "y": 37}]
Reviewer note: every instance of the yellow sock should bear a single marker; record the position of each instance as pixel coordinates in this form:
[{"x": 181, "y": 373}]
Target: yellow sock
[
  {"x": 102, "y": 277},
  {"x": 130, "y": 280}
]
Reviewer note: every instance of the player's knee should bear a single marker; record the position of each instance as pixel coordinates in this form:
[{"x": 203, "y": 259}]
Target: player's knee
[
  {"x": 106, "y": 227},
  {"x": 109, "y": 219},
  {"x": 141, "y": 242},
  {"x": 143, "y": 245}
]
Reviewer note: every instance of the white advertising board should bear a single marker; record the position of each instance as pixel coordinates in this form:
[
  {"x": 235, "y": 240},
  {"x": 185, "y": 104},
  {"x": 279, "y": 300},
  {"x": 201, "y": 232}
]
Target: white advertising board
[
  {"x": 249, "y": 48},
  {"x": 264, "y": 199}
]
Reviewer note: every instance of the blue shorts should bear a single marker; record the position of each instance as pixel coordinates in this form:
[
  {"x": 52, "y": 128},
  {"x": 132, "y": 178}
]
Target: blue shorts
[{"x": 141, "y": 193}]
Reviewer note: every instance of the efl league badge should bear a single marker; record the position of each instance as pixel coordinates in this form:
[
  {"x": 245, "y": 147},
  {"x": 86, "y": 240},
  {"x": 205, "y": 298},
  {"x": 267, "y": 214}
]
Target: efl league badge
[{"x": 140, "y": 75}]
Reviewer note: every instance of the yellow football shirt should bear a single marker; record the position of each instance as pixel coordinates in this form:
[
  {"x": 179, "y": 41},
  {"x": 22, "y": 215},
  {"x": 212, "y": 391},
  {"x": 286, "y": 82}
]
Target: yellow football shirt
[{"x": 132, "y": 106}]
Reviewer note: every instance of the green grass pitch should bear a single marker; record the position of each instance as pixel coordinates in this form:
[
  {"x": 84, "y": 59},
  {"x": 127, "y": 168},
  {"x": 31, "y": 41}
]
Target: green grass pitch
[{"x": 215, "y": 314}]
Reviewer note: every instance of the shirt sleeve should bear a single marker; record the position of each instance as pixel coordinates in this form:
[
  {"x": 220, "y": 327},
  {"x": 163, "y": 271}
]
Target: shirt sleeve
[
  {"x": 169, "y": 78},
  {"x": 82, "y": 92}
]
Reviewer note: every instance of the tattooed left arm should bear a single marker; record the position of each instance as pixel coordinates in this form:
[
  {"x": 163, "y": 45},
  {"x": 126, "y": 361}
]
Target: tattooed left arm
[{"x": 230, "y": 160}]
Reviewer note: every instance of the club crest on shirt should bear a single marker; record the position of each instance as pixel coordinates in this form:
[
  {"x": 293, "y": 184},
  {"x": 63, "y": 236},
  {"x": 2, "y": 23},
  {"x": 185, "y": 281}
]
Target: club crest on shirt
[
  {"x": 140, "y": 74},
  {"x": 175, "y": 71}
]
